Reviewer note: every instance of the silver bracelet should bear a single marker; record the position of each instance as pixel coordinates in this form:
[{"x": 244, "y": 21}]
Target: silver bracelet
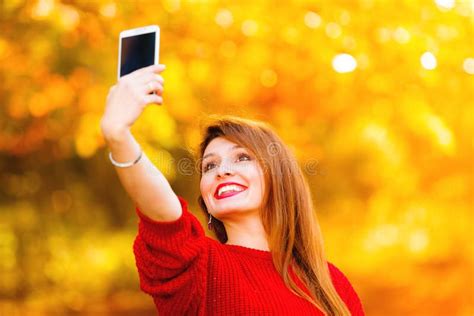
[{"x": 125, "y": 164}]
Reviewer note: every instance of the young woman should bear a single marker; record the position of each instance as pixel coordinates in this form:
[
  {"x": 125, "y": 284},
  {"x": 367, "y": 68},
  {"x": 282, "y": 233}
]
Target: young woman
[{"x": 269, "y": 257}]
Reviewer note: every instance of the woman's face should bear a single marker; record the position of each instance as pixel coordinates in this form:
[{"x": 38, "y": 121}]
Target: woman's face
[{"x": 232, "y": 180}]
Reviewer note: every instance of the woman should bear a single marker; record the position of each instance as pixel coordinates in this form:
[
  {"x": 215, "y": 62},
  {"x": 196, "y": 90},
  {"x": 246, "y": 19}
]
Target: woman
[{"x": 269, "y": 257}]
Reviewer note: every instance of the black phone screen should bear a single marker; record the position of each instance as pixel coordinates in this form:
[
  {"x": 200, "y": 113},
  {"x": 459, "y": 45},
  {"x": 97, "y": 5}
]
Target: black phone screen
[{"x": 137, "y": 52}]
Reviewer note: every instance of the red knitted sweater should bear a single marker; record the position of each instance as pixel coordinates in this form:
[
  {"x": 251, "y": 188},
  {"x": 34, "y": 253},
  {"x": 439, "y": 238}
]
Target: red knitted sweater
[{"x": 188, "y": 273}]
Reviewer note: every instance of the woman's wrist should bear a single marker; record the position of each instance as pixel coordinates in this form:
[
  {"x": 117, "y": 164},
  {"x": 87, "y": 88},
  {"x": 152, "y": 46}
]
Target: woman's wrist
[
  {"x": 124, "y": 150},
  {"x": 115, "y": 134}
]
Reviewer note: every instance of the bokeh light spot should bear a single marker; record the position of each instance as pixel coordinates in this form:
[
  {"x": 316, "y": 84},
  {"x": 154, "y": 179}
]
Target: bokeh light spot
[
  {"x": 445, "y": 5},
  {"x": 402, "y": 35},
  {"x": 43, "y": 9},
  {"x": 386, "y": 235},
  {"x": 468, "y": 65},
  {"x": 383, "y": 35},
  {"x": 171, "y": 6},
  {"x": 108, "y": 10},
  {"x": 249, "y": 27},
  {"x": 441, "y": 133},
  {"x": 224, "y": 18},
  {"x": 312, "y": 20},
  {"x": 268, "y": 78},
  {"x": 418, "y": 241},
  {"x": 333, "y": 30},
  {"x": 290, "y": 35},
  {"x": 344, "y": 63},
  {"x": 428, "y": 61},
  {"x": 69, "y": 17}
]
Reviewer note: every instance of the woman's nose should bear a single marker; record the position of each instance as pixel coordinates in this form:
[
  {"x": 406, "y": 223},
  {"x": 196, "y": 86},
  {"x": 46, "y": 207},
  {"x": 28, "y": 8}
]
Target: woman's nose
[{"x": 224, "y": 169}]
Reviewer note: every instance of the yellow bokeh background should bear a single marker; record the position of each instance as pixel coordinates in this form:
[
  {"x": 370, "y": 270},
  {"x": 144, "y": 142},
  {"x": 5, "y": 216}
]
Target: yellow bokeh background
[{"x": 375, "y": 97}]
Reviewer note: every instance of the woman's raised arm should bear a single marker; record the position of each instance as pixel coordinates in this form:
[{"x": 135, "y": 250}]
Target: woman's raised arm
[{"x": 144, "y": 183}]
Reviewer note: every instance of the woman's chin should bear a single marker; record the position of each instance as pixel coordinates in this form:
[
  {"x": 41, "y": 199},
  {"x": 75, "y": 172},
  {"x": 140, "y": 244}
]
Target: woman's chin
[{"x": 222, "y": 209}]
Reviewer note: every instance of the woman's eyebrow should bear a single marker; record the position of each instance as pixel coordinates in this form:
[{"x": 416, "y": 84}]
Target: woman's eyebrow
[{"x": 213, "y": 154}]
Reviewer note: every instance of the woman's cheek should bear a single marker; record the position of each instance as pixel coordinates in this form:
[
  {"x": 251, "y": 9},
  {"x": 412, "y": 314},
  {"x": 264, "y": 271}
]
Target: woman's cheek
[
  {"x": 208, "y": 187},
  {"x": 203, "y": 186}
]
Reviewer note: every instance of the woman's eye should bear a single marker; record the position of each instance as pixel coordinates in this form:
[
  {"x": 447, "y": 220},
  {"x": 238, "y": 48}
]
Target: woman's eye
[
  {"x": 241, "y": 156},
  {"x": 208, "y": 166},
  {"x": 211, "y": 165}
]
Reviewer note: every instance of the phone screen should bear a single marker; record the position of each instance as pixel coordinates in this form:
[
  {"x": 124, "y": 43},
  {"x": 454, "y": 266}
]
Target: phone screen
[{"x": 137, "y": 52}]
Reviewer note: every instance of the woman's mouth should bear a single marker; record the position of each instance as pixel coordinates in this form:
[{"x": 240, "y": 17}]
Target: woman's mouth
[{"x": 228, "y": 191}]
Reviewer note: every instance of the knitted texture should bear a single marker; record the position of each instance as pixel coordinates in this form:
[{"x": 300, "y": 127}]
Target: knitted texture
[{"x": 188, "y": 273}]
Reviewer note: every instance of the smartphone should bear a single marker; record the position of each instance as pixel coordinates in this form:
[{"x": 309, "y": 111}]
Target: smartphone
[{"x": 138, "y": 48}]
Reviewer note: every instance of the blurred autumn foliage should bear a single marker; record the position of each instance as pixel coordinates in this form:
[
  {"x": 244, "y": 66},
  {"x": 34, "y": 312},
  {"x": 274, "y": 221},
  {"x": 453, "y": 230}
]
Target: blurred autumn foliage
[{"x": 374, "y": 97}]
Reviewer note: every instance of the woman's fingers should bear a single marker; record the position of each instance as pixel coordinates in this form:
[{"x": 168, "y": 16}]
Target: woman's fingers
[
  {"x": 145, "y": 78},
  {"x": 152, "y": 98},
  {"x": 144, "y": 73},
  {"x": 153, "y": 86},
  {"x": 145, "y": 83},
  {"x": 153, "y": 69}
]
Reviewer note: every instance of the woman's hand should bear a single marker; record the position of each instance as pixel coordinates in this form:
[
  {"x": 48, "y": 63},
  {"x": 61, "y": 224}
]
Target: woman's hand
[{"x": 129, "y": 97}]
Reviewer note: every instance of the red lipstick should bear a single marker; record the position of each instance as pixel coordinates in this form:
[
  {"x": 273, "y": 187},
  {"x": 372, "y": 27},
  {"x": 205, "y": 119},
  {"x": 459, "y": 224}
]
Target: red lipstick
[{"x": 228, "y": 194}]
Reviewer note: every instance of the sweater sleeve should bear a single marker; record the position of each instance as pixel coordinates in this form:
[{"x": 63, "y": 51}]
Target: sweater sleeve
[
  {"x": 171, "y": 259},
  {"x": 346, "y": 291}
]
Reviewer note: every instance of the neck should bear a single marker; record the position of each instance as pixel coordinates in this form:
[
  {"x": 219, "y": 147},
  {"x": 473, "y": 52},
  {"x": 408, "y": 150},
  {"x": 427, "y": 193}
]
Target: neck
[{"x": 247, "y": 232}]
